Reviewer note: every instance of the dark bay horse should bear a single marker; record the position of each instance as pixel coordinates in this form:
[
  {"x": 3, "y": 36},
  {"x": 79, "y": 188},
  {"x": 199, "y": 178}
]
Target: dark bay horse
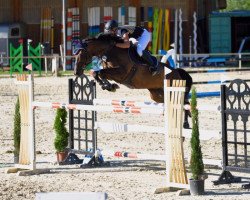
[{"x": 120, "y": 68}]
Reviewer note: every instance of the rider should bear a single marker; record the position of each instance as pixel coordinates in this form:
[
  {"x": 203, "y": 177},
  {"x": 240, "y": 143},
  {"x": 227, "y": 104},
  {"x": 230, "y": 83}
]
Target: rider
[{"x": 135, "y": 34}]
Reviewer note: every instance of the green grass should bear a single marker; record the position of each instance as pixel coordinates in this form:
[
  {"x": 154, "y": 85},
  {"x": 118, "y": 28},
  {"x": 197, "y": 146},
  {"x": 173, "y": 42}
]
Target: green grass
[{"x": 36, "y": 73}]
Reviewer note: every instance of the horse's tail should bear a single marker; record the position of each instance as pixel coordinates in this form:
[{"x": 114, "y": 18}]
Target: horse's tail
[{"x": 167, "y": 65}]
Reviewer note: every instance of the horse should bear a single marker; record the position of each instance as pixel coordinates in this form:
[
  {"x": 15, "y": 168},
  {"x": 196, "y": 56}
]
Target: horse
[{"x": 121, "y": 66}]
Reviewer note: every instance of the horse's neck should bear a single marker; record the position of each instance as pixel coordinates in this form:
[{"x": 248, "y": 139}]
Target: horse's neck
[{"x": 120, "y": 56}]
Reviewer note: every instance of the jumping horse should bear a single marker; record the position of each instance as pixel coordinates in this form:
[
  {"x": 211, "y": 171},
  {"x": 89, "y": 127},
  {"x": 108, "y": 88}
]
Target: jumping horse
[{"x": 124, "y": 67}]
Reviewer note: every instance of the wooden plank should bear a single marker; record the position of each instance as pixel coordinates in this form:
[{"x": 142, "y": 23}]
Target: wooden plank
[
  {"x": 176, "y": 171},
  {"x": 71, "y": 195}
]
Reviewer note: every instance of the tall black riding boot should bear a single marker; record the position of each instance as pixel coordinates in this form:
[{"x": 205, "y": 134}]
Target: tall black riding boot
[{"x": 147, "y": 57}]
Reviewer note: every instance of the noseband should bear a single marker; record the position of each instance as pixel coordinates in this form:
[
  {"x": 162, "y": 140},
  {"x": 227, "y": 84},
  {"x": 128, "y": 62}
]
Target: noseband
[{"x": 87, "y": 55}]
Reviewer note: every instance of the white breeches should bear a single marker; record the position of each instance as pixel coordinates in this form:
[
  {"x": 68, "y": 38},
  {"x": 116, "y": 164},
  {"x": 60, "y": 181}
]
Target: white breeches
[{"x": 143, "y": 42}]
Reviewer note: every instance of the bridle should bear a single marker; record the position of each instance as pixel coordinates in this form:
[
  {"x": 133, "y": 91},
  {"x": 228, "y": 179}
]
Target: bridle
[{"x": 102, "y": 55}]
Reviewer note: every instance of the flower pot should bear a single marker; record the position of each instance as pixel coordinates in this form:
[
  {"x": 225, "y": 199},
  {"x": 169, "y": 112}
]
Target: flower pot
[
  {"x": 61, "y": 156},
  {"x": 196, "y": 186}
]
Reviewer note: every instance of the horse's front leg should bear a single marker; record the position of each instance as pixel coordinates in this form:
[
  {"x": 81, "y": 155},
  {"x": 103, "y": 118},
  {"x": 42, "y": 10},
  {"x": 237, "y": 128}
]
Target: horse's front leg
[
  {"x": 78, "y": 67},
  {"x": 104, "y": 83},
  {"x": 107, "y": 85},
  {"x": 97, "y": 78}
]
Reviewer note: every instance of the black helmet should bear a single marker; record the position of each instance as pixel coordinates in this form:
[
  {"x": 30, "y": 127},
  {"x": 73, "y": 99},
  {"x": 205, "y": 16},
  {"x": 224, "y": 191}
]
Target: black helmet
[{"x": 110, "y": 25}]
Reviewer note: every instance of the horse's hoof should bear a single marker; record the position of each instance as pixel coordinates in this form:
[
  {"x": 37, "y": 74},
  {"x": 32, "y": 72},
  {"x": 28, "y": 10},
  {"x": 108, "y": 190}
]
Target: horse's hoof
[
  {"x": 186, "y": 125},
  {"x": 115, "y": 86},
  {"x": 104, "y": 87},
  {"x": 107, "y": 87}
]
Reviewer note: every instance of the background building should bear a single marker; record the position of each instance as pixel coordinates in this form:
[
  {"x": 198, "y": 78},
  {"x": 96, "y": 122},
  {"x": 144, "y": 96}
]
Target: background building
[{"x": 31, "y": 13}]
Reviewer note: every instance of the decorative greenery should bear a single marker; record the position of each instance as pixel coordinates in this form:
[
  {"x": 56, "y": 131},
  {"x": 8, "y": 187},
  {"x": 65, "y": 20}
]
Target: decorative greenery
[
  {"x": 17, "y": 128},
  {"x": 61, "y": 139},
  {"x": 196, "y": 165},
  {"x": 237, "y": 5}
]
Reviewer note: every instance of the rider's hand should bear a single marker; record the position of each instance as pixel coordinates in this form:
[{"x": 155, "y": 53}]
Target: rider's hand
[
  {"x": 92, "y": 73},
  {"x": 133, "y": 40}
]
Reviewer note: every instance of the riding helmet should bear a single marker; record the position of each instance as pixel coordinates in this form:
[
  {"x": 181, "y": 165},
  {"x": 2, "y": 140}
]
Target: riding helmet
[{"x": 110, "y": 25}]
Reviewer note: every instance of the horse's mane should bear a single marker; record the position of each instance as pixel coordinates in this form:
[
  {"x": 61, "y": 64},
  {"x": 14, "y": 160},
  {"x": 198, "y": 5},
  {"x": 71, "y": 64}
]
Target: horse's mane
[
  {"x": 106, "y": 37},
  {"x": 109, "y": 37}
]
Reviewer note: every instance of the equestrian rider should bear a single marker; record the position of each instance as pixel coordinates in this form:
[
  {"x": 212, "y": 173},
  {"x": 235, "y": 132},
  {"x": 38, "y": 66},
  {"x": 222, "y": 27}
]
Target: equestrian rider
[{"x": 135, "y": 34}]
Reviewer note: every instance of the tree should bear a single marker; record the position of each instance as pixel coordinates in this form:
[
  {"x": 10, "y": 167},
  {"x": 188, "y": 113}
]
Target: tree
[
  {"x": 196, "y": 165},
  {"x": 61, "y": 139},
  {"x": 238, "y": 5}
]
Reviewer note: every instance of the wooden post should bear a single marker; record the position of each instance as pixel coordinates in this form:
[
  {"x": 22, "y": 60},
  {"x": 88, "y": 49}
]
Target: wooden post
[
  {"x": 27, "y": 156},
  {"x": 174, "y": 100},
  {"x": 27, "y": 143}
]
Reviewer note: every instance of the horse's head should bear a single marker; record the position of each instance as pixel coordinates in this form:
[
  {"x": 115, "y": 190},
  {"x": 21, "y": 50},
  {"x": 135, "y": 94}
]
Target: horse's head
[{"x": 98, "y": 46}]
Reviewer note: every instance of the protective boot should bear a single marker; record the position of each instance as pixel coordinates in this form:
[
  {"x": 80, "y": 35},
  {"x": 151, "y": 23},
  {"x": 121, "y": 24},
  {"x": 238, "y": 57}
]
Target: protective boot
[{"x": 147, "y": 57}]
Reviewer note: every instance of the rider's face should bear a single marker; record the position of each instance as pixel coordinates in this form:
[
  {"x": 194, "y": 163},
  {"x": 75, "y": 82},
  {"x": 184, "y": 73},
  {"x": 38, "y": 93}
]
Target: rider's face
[{"x": 112, "y": 31}]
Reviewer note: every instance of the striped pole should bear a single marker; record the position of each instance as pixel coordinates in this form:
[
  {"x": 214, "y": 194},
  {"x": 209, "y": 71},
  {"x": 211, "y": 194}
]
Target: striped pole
[
  {"x": 127, "y": 103},
  {"x": 69, "y": 39},
  {"x": 207, "y": 94},
  {"x": 124, "y": 154},
  {"x": 194, "y": 36},
  {"x": 180, "y": 35},
  {"x": 150, "y": 26},
  {"x": 114, "y": 109},
  {"x": 152, "y": 105},
  {"x": 217, "y": 70}
]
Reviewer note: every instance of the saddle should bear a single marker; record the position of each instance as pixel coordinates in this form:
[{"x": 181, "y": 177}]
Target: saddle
[{"x": 136, "y": 59}]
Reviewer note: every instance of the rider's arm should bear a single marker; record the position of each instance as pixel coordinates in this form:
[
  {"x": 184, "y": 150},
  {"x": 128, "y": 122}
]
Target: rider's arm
[{"x": 125, "y": 43}]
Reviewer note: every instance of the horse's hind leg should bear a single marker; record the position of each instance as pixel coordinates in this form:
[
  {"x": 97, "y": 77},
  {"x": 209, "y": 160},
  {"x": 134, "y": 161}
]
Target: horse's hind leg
[
  {"x": 186, "y": 115},
  {"x": 157, "y": 95}
]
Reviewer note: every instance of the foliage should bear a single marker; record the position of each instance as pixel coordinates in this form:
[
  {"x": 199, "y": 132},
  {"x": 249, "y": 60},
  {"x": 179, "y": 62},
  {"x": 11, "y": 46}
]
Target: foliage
[
  {"x": 238, "y": 5},
  {"x": 17, "y": 128},
  {"x": 196, "y": 165},
  {"x": 61, "y": 139}
]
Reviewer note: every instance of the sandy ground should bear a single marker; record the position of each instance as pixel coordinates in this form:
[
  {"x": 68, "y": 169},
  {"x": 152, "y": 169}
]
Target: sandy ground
[{"x": 127, "y": 179}]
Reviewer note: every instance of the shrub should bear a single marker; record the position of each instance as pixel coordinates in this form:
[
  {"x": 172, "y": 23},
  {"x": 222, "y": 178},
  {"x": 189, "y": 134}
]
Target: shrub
[
  {"x": 196, "y": 165},
  {"x": 61, "y": 139},
  {"x": 17, "y": 128}
]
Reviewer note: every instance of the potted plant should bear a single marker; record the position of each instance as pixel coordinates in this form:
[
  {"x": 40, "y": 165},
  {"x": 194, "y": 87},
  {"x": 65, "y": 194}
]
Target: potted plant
[
  {"x": 61, "y": 139},
  {"x": 196, "y": 163},
  {"x": 17, "y": 132}
]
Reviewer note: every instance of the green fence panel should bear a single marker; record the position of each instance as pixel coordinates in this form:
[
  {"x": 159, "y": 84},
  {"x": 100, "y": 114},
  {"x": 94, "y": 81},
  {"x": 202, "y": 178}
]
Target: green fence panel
[
  {"x": 16, "y": 60},
  {"x": 34, "y": 54}
]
